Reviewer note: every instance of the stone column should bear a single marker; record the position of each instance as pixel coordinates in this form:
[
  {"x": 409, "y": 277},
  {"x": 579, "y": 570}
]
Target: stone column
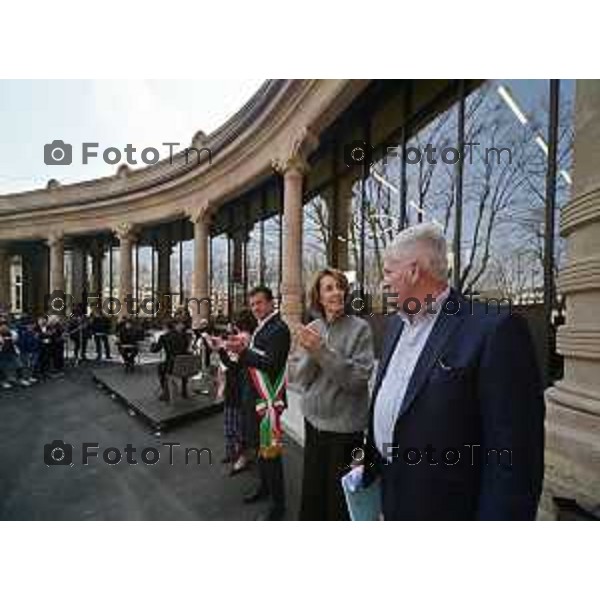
[
  {"x": 78, "y": 274},
  {"x": 573, "y": 409},
  {"x": 340, "y": 218},
  {"x": 35, "y": 278},
  {"x": 200, "y": 284},
  {"x": 5, "y": 304},
  {"x": 293, "y": 166},
  {"x": 164, "y": 247},
  {"x": 56, "y": 244},
  {"x": 126, "y": 234},
  {"x": 97, "y": 252},
  {"x": 238, "y": 271}
]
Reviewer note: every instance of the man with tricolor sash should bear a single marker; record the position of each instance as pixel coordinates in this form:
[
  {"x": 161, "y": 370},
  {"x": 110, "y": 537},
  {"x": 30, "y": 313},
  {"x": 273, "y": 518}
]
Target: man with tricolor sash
[{"x": 265, "y": 356}]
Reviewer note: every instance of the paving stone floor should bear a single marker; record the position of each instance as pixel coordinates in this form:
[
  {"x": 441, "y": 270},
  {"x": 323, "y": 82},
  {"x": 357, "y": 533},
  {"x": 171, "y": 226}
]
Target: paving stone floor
[{"x": 74, "y": 410}]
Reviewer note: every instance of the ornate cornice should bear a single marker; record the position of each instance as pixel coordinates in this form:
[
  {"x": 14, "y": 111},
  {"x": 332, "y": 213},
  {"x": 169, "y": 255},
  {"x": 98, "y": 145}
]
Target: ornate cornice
[
  {"x": 295, "y": 157},
  {"x": 281, "y": 121}
]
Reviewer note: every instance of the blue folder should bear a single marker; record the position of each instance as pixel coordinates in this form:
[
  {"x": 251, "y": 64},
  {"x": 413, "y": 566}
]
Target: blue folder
[{"x": 364, "y": 504}]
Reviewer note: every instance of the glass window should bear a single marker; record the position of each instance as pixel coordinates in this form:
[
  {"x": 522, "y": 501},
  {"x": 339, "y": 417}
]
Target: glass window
[
  {"x": 315, "y": 239},
  {"x": 219, "y": 284}
]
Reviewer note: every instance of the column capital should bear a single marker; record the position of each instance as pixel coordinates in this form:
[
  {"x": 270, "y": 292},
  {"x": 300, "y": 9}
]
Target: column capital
[
  {"x": 198, "y": 213},
  {"x": 56, "y": 237},
  {"x": 126, "y": 231},
  {"x": 295, "y": 156}
]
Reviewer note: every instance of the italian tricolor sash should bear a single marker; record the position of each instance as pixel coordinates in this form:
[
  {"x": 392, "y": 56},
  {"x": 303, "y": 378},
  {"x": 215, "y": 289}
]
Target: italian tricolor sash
[{"x": 268, "y": 407}]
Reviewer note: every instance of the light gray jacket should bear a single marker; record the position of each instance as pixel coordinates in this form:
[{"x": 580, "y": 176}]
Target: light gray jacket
[{"x": 334, "y": 379}]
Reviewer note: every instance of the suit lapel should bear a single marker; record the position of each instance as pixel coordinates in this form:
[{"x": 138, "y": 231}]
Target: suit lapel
[{"x": 443, "y": 328}]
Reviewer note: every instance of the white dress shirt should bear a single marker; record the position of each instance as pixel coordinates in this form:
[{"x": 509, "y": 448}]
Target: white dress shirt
[
  {"x": 401, "y": 366},
  {"x": 260, "y": 325}
]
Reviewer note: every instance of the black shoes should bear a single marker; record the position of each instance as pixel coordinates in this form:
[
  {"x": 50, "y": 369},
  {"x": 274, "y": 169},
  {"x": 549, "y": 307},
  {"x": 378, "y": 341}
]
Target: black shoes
[
  {"x": 275, "y": 513},
  {"x": 258, "y": 494}
]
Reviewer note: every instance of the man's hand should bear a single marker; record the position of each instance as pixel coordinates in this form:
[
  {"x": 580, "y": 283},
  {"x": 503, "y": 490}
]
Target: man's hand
[
  {"x": 237, "y": 343},
  {"x": 309, "y": 338},
  {"x": 214, "y": 342}
]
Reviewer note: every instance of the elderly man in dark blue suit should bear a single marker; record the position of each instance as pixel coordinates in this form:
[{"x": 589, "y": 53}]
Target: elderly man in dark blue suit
[{"x": 457, "y": 421}]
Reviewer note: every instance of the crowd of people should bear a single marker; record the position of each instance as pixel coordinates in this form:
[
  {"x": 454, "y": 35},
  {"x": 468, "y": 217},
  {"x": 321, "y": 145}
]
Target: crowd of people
[
  {"x": 30, "y": 350},
  {"x": 447, "y": 378}
]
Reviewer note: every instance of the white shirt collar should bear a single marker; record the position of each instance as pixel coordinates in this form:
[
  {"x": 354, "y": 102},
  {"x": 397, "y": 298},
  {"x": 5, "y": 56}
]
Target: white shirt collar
[
  {"x": 261, "y": 324},
  {"x": 267, "y": 318}
]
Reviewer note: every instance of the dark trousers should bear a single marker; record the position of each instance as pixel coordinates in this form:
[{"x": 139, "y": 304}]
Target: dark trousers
[
  {"x": 79, "y": 345},
  {"x": 165, "y": 369},
  {"x": 128, "y": 355},
  {"x": 249, "y": 425},
  {"x": 327, "y": 457},
  {"x": 271, "y": 481},
  {"x": 234, "y": 434},
  {"x": 43, "y": 364},
  {"x": 102, "y": 340},
  {"x": 58, "y": 355}
]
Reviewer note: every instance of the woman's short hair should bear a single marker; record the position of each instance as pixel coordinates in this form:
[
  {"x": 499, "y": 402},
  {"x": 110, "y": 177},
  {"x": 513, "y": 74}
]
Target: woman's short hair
[
  {"x": 245, "y": 321},
  {"x": 315, "y": 295}
]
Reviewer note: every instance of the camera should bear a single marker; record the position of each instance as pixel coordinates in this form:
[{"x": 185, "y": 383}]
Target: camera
[
  {"x": 58, "y": 303},
  {"x": 58, "y": 453},
  {"x": 58, "y": 153},
  {"x": 358, "y": 152}
]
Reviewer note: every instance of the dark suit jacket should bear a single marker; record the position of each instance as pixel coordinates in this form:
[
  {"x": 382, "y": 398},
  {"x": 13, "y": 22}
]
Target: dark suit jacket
[
  {"x": 476, "y": 383},
  {"x": 269, "y": 352},
  {"x": 173, "y": 343}
]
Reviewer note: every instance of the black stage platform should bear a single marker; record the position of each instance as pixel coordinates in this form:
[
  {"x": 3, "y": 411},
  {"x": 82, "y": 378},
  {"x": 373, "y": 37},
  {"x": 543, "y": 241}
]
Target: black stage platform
[{"x": 140, "y": 391}]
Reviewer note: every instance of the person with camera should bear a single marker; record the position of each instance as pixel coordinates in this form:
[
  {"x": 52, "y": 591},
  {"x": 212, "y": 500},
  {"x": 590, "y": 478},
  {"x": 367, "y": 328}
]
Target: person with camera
[
  {"x": 236, "y": 382},
  {"x": 335, "y": 364}
]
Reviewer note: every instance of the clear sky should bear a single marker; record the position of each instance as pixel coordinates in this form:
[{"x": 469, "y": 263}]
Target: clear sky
[{"x": 110, "y": 112}]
